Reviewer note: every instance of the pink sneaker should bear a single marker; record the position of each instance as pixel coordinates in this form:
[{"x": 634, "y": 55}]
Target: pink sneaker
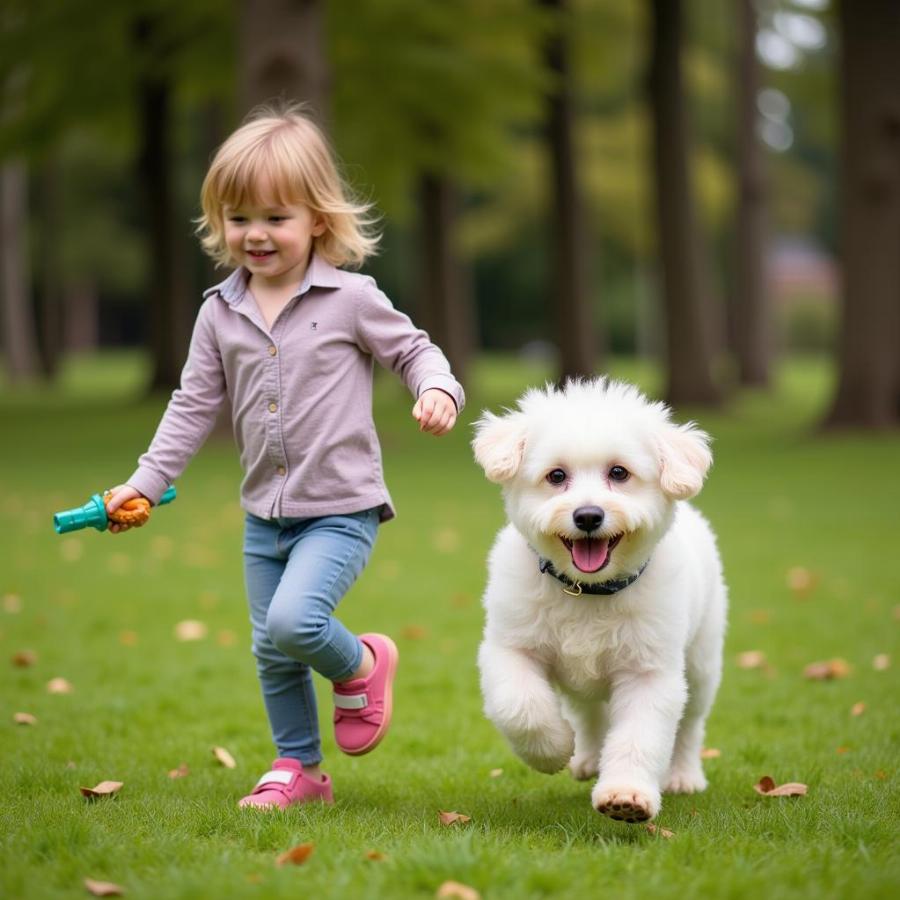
[
  {"x": 362, "y": 707},
  {"x": 287, "y": 784}
]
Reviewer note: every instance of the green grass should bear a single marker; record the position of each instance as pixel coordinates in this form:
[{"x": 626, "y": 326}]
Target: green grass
[{"x": 780, "y": 496}]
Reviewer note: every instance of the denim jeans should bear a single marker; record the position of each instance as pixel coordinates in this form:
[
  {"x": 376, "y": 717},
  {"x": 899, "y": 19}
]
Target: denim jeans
[{"x": 296, "y": 571}]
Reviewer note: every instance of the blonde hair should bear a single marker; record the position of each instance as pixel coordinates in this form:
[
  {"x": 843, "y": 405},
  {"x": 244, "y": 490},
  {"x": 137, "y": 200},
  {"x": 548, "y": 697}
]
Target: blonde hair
[{"x": 281, "y": 155}]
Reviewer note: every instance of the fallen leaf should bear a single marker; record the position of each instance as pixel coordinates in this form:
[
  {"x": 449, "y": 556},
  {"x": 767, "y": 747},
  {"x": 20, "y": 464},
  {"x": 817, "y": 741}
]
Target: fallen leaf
[
  {"x": 858, "y": 709},
  {"x": 461, "y": 600},
  {"x": 768, "y": 788},
  {"x": 495, "y": 773},
  {"x": 181, "y": 772},
  {"x": 450, "y": 818},
  {"x": 128, "y": 638},
  {"x": 446, "y": 540},
  {"x": 880, "y": 774},
  {"x": 458, "y": 891},
  {"x": 296, "y": 856},
  {"x": 190, "y": 630},
  {"x": 825, "y": 671},
  {"x": 841, "y": 750},
  {"x": 224, "y": 757},
  {"x": 662, "y": 832},
  {"x": 801, "y": 581},
  {"x": 760, "y": 616},
  {"x": 414, "y": 632},
  {"x": 12, "y": 603},
  {"x": 375, "y": 855},
  {"x": 751, "y": 659},
  {"x": 226, "y": 638},
  {"x": 103, "y": 789},
  {"x": 881, "y": 662},
  {"x": 24, "y": 718},
  {"x": 103, "y": 888},
  {"x": 24, "y": 658},
  {"x": 59, "y": 686},
  {"x": 710, "y": 753}
]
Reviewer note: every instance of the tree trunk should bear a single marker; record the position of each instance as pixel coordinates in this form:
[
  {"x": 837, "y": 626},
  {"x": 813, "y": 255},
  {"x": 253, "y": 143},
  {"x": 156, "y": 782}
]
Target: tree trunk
[
  {"x": 569, "y": 270},
  {"x": 282, "y": 54},
  {"x": 752, "y": 320},
  {"x": 168, "y": 314},
  {"x": 15, "y": 292},
  {"x": 445, "y": 302},
  {"x": 50, "y": 304},
  {"x": 868, "y": 393},
  {"x": 688, "y": 329},
  {"x": 82, "y": 320}
]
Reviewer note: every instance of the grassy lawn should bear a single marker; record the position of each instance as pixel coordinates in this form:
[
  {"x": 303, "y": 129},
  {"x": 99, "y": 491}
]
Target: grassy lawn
[{"x": 100, "y": 611}]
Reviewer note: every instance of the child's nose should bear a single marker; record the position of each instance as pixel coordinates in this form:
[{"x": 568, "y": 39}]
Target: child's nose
[{"x": 256, "y": 233}]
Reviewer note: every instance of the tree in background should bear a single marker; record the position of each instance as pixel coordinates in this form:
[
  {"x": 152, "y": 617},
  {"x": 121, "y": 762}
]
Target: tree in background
[
  {"x": 868, "y": 392},
  {"x": 751, "y": 332}
]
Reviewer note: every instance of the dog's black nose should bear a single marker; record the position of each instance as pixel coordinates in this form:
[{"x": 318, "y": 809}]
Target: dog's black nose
[{"x": 587, "y": 518}]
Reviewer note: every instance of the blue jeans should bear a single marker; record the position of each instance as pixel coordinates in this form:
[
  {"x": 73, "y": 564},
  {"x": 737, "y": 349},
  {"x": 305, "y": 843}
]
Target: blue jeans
[{"x": 296, "y": 571}]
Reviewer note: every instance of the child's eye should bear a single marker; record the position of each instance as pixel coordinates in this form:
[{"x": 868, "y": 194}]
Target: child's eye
[
  {"x": 277, "y": 219},
  {"x": 237, "y": 219}
]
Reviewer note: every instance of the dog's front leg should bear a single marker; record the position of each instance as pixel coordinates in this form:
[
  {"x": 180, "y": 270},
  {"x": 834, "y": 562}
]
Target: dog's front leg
[
  {"x": 644, "y": 711},
  {"x": 521, "y": 702}
]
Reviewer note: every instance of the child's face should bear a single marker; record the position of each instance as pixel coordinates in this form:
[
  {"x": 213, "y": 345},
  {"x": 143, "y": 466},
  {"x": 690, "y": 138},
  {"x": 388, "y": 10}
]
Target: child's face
[{"x": 271, "y": 240}]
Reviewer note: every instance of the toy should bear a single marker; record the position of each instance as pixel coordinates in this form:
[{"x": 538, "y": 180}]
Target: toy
[{"x": 93, "y": 514}]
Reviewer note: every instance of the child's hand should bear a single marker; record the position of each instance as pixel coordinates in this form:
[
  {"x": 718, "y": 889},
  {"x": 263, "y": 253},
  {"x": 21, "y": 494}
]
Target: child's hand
[
  {"x": 120, "y": 493},
  {"x": 435, "y": 412}
]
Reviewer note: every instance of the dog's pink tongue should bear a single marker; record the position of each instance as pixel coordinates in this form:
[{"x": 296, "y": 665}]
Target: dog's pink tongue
[{"x": 589, "y": 554}]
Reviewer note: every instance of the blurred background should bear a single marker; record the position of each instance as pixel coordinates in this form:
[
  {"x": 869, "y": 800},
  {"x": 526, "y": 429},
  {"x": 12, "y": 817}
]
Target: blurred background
[{"x": 709, "y": 186}]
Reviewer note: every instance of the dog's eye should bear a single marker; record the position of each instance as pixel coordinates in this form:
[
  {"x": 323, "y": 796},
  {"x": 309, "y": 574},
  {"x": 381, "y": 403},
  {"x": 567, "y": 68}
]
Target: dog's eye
[
  {"x": 556, "y": 476},
  {"x": 618, "y": 473}
]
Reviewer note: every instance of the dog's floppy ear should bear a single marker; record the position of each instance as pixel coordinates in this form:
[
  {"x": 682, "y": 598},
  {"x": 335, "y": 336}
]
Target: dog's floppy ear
[
  {"x": 499, "y": 445},
  {"x": 684, "y": 460}
]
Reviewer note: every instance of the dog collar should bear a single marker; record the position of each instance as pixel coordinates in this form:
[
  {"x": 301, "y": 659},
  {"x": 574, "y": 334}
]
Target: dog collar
[{"x": 576, "y": 588}]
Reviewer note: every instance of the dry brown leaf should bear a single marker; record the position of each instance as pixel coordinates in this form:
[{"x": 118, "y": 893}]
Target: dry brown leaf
[
  {"x": 662, "y": 832},
  {"x": 24, "y": 658},
  {"x": 59, "y": 686},
  {"x": 128, "y": 638},
  {"x": 495, "y": 773},
  {"x": 224, "y": 757},
  {"x": 446, "y": 540},
  {"x": 760, "y": 616},
  {"x": 24, "y": 718},
  {"x": 451, "y": 818},
  {"x": 296, "y": 856},
  {"x": 375, "y": 855},
  {"x": 181, "y": 772},
  {"x": 414, "y": 632},
  {"x": 801, "y": 581},
  {"x": 826, "y": 670},
  {"x": 226, "y": 638},
  {"x": 12, "y": 603},
  {"x": 841, "y": 750},
  {"x": 190, "y": 630},
  {"x": 751, "y": 659},
  {"x": 710, "y": 753},
  {"x": 103, "y": 789},
  {"x": 457, "y": 891},
  {"x": 768, "y": 788},
  {"x": 103, "y": 888},
  {"x": 881, "y": 662},
  {"x": 858, "y": 709}
]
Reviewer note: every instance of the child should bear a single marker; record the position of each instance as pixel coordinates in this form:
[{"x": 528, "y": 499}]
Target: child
[{"x": 288, "y": 341}]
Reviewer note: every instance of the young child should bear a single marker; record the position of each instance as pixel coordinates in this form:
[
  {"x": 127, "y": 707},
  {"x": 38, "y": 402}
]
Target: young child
[{"x": 288, "y": 340}]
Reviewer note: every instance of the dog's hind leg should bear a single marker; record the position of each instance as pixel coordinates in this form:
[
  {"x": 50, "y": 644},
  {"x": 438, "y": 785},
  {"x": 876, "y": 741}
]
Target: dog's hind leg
[{"x": 588, "y": 718}]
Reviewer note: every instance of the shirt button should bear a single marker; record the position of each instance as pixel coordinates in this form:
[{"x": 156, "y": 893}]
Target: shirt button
[
  {"x": 281, "y": 470},
  {"x": 273, "y": 350},
  {"x": 273, "y": 407}
]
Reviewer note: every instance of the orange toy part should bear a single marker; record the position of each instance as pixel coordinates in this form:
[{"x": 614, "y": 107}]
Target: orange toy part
[{"x": 132, "y": 512}]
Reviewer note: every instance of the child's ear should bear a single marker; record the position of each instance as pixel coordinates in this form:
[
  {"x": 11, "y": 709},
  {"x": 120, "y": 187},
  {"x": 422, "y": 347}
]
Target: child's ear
[
  {"x": 499, "y": 445},
  {"x": 684, "y": 460},
  {"x": 319, "y": 225}
]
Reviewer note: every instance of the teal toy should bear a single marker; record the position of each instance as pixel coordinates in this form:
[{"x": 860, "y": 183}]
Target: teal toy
[{"x": 93, "y": 514}]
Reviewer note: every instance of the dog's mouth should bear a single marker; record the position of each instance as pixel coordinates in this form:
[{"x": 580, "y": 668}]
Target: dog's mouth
[{"x": 591, "y": 554}]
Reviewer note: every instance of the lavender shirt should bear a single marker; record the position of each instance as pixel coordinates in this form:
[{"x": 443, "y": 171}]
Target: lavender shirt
[{"x": 300, "y": 393}]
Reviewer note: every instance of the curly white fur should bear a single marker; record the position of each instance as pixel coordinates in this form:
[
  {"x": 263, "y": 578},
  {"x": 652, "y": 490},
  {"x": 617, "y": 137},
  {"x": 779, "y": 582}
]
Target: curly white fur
[{"x": 617, "y": 686}]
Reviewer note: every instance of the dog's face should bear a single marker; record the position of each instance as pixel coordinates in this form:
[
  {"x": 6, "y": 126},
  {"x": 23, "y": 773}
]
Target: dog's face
[{"x": 590, "y": 474}]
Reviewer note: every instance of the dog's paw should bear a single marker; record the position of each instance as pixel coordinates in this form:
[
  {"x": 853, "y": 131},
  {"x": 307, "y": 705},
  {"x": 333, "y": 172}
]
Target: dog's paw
[
  {"x": 685, "y": 780},
  {"x": 583, "y": 766},
  {"x": 547, "y": 750},
  {"x": 626, "y": 803}
]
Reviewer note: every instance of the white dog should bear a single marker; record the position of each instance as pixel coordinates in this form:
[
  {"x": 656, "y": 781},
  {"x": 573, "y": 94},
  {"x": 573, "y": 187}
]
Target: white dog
[{"x": 605, "y": 600}]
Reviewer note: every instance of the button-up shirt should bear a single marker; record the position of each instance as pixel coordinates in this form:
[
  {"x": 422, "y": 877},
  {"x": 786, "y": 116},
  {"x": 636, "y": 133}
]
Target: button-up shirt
[{"x": 300, "y": 393}]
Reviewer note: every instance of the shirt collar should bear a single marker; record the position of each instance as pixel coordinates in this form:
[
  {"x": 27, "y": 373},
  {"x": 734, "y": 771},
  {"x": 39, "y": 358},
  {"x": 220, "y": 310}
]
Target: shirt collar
[{"x": 319, "y": 273}]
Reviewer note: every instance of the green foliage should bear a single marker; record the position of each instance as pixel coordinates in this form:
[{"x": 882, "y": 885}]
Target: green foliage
[{"x": 139, "y": 710}]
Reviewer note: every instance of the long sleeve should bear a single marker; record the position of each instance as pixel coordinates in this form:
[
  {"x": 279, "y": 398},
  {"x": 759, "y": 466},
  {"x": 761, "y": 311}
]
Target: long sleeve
[
  {"x": 395, "y": 342},
  {"x": 191, "y": 413}
]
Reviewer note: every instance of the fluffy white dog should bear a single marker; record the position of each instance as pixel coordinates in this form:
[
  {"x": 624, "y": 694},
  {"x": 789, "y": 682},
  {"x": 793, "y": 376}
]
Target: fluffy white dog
[{"x": 605, "y": 600}]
